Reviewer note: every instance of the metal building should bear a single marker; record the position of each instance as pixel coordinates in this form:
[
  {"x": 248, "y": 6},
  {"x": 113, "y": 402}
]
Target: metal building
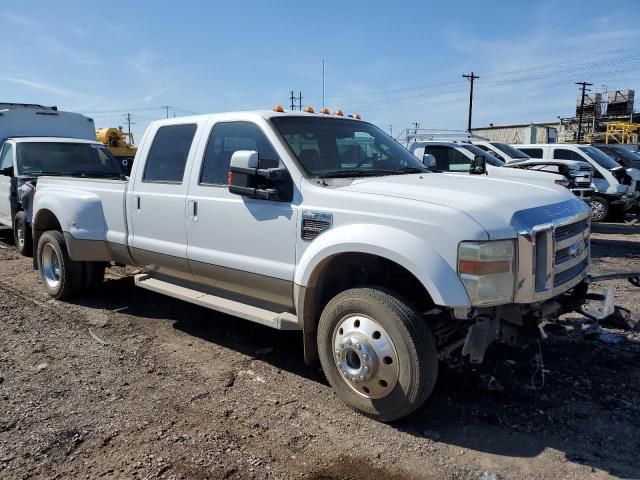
[{"x": 520, "y": 133}]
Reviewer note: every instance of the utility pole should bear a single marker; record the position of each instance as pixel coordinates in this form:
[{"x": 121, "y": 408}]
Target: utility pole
[
  {"x": 166, "y": 108},
  {"x": 323, "y": 83},
  {"x": 391, "y": 130},
  {"x": 129, "y": 123},
  {"x": 300, "y": 101},
  {"x": 584, "y": 86},
  {"x": 293, "y": 101},
  {"x": 471, "y": 77}
]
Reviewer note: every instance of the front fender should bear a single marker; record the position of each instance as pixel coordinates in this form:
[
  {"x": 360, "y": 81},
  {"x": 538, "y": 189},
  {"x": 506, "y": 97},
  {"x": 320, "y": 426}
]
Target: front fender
[
  {"x": 405, "y": 249},
  {"x": 79, "y": 213}
]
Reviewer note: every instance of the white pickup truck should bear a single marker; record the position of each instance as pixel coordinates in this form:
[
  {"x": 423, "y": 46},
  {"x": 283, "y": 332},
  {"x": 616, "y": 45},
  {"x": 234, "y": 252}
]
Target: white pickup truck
[{"x": 327, "y": 225}]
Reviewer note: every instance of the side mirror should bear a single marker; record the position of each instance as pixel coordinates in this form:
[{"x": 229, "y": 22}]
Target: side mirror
[
  {"x": 429, "y": 160},
  {"x": 8, "y": 171},
  {"x": 246, "y": 179},
  {"x": 478, "y": 165}
]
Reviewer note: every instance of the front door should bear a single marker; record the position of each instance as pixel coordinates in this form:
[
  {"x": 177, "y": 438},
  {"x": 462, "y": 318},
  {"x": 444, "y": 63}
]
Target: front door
[
  {"x": 238, "y": 244},
  {"x": 157, "y": 201},
  {"x": 6, "y": 160}
]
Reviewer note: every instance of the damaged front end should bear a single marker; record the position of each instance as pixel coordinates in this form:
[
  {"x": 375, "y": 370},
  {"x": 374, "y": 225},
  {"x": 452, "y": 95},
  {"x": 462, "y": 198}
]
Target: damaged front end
[
  {"x": 551, "y": 278},
  {"x": 521, "y": 325}
]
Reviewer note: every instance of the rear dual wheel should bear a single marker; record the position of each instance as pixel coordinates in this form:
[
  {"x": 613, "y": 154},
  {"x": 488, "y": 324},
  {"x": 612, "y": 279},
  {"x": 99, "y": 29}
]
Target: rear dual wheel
[
  {"x": 377, "y": 353},
  {"x": 62, "y": 277},
  {"x": 22, "y": 234}
]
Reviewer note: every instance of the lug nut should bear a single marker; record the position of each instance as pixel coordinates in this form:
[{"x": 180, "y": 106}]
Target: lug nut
[
  {"x": 349, "y": 341},
  {"x": 358, "y": 346},
  {"x": 365, "y": 357}
]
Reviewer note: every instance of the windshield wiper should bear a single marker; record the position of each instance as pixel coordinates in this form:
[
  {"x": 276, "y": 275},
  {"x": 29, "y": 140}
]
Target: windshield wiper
[
  {"x": 370, "y": 172},
  {"x": 42, "y": 173},
  {"x": 96, "y": 173}
]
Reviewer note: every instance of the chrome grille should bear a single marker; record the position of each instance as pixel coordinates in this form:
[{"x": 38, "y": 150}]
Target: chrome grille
[
  {"x": 565, "y": 231},
  {"x": 569, "y": 274},
  {"x": 553, "y": 255}
]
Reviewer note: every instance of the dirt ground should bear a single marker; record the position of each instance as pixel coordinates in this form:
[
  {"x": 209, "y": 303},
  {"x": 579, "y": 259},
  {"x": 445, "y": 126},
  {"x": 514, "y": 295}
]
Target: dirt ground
[{"x": 125, "y": 383}]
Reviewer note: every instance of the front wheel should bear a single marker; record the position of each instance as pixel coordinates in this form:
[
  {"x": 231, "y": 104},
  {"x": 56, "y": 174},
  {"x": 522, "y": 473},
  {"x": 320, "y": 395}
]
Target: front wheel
[
  {"x": 377, "y": 353},
  {"x": 61, "y": 276},
  {"x": 22, "y": 234},
  {"x": 599, "y": 209}
]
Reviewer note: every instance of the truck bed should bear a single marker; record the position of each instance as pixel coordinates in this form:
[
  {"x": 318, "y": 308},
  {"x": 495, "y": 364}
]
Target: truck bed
[{"x": 95, "y": 208}]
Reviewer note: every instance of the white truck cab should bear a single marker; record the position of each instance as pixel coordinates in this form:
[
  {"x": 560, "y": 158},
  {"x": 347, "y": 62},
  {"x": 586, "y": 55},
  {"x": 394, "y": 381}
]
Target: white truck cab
[
  {"x": 25, "y": 159},
  {"x": 327, "y": 225},
  {"x": 615, "y": 186},
  {"x": 22, "y": 130}
]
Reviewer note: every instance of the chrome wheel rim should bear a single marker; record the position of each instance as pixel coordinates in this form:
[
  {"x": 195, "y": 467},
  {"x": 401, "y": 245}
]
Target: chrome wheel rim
[
  {"x": 365, "y": 356},
  {"x": 597, "y": 210},
  {"x": 50, "y": 266},
  {"x": 20, "y": 235}
]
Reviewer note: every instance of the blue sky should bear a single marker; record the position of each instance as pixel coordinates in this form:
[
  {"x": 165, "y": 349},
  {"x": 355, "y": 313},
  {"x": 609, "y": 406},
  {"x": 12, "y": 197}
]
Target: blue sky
[{"x": 394, "y": 62}]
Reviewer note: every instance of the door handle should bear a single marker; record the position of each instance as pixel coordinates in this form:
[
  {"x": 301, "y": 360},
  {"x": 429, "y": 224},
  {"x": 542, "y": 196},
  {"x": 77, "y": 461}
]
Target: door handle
[
  {"x": 138, "y": 203},
  {"x": 193, "y": 206}
]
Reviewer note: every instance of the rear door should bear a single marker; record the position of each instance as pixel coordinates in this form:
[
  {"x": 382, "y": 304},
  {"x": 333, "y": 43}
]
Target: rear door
[
  {"x": 157, "y": 200},
  {"x": 239, "y": 244},
  {"x": 6, "y": 160}
]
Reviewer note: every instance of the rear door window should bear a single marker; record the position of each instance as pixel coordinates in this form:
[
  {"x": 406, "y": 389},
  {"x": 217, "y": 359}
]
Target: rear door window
[
  {"x": 565, "y": 154},
  {"x": 532, "y": 152},
  {"x": 168, "y": 154}
]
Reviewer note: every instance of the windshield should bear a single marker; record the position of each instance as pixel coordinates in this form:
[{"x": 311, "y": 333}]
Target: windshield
[
  {"x": 628, "y": 155},
  {"x": 491, "y": 159},
  {"x": 601, "y": 158},
  {"x": 341, "y": 147},
  {"x": 509, "y": 150},
  {"x": 62, "y": 158}
]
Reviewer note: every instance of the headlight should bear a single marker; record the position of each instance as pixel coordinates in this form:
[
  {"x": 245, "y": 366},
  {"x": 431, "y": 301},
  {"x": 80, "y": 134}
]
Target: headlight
[
  {"x": 563, "y": 183},
  {"x": 486, "y": 270}
]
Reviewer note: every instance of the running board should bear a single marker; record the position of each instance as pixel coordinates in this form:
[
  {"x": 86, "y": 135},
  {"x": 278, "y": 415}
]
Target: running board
[{"x": 277, "y": 320}]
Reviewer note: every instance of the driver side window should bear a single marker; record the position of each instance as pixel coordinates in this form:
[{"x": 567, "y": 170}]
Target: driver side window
[{"x": 6, "y": 158}]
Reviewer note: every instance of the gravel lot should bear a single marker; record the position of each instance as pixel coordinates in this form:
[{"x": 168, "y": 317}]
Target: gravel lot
[{"x": 125, "y": 383}]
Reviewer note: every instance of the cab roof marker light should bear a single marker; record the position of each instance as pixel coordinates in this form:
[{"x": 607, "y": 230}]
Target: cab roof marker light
[
  {"x": 278, "y": 108},
  {"x": 339, "y": 112},
  {"x": 309, "y": 110},
  {"x": 357, "y": 116},
  {"x": 325, "y": 111}
]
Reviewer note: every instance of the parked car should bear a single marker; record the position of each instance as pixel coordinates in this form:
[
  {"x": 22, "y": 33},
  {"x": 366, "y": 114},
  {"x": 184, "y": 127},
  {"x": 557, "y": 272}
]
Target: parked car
[
  {"x": 457, "y": 157},
  {"x": 24, "y": 159},
  {"x": 615, "y": 186},
  {"x": 327, "y": 225},
  {"x": 578, "y": 174}
]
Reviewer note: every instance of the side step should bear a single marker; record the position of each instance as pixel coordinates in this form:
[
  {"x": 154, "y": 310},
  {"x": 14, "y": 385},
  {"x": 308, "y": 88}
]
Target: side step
[{"x": 277, "y": 320}]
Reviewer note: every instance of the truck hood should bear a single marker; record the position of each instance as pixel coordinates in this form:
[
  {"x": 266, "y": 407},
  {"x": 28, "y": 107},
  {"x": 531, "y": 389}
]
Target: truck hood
[{"x": 491, "y": 202}]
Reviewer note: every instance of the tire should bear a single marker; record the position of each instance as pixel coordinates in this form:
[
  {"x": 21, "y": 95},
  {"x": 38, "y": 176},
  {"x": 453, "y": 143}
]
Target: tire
[
  {"x": 599, "y": 209},
  {"x": 22, "y": 236},
  {"x": 92, "y": 274},
  {"x": 61, "y": 276},
  {"x": 377, "y": 353}
]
